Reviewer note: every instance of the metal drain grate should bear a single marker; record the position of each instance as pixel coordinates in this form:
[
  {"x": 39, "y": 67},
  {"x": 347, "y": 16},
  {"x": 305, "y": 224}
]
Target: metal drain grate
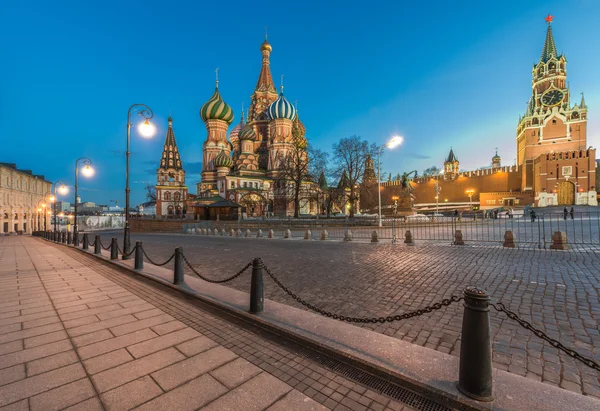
[{"x": 373, "y": 382}]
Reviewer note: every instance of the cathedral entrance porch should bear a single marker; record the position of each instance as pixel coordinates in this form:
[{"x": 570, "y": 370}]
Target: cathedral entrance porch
[{"x": 566, "y": 193}]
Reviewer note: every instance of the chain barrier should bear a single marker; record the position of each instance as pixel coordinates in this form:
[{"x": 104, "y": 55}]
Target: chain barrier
[
  {"x": 152, "y": 262},
  {"x": 236, "y": 275},
  {"x": 425, "y": 310},
  {"x": 91, "y": 243},
  {"x": 102, "y": 245},
  {"x": 539, "y": 333},
  {"x": 128, "y": 254}
]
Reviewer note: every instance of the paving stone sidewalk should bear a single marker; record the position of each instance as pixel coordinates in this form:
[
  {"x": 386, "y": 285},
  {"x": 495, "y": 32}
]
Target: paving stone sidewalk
[{"x": 72, "y": 339}]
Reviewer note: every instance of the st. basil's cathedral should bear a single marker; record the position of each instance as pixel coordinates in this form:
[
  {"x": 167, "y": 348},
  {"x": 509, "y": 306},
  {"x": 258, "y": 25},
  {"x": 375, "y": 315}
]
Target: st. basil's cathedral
[{"x": 240, "y": 168}]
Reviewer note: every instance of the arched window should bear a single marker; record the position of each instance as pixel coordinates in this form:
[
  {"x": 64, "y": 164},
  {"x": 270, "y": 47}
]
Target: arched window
[
  {"x": 170, "y": 210},
  {"x": 167, "y": 196},
  {"x": 177, "y": 196}
]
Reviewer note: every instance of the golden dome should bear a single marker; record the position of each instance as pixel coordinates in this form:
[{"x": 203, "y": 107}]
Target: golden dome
[{"x": 266, "y": 46}]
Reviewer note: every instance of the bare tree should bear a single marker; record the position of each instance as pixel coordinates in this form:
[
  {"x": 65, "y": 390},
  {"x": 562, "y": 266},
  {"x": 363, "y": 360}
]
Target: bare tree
[
  {"x": 431, "y": 171},
  {"x": 350, "y": 155},
  {"x": 300, "y": 165},
  {"x": 150, "y": 192}
]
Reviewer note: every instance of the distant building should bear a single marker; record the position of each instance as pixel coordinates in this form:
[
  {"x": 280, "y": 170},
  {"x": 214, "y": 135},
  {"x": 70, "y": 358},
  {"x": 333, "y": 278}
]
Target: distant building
[
  {"x": 148, "y": 208},
  {"x": 22, "y": 194},
  {"x": 63, "y": 206}
]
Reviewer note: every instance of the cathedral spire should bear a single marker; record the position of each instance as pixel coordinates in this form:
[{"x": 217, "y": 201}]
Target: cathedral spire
[
  {"x": 265, "y": 79},
  {"x": 549, "y": 49},
  {"x": 582, "y": 104},
  {"x": 170, "y": 156}
]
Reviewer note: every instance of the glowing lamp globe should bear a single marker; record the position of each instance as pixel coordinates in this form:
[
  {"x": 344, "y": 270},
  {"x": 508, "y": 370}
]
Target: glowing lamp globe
[
  {"x": 146, "y": 129},
  {"x": 51, "y": 199},
  {"x": 44, "y": 205},
  {"x": 395, "y": 142},
  {"x": 61, "y": 214},
  {"x": 63, "y": 189},
  {"x": 87, "y": 171},
  {"x": 39, "y": 210}
]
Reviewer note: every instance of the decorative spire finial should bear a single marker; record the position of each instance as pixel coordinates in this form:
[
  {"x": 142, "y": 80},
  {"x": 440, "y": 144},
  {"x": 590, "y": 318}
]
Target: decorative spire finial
[
  {"x": 217, "y": 76},
  {"x": 281, "y": 87},
  {"x": 549, "y": 18},
  {"x": 242, "y": 112},
  {"x": 266, "y": 33}
]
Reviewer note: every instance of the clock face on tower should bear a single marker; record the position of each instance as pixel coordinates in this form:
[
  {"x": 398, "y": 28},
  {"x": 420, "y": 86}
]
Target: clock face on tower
[{"x": 552, "y": 97}]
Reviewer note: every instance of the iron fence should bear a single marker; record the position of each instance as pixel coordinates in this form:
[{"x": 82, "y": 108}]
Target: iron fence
[{"x": 582, "y": 229}]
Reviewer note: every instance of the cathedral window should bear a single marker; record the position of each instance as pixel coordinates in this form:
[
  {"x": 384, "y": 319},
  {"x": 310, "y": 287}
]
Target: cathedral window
[
  {"x": 177, "y": 196},
  {"x": 554, "y": 121},
  {"x": 245, "y": 184},
  {"x": 233, "y": 184},
  {"x": 167, "y": 196}
]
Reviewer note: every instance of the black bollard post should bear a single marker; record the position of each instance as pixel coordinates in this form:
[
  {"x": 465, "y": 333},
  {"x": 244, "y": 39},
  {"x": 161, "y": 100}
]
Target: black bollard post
[
  {"x": 54, "y": 238},
  {"x": 97, "y": 246},
  {"x": 62, "y": 237},
  {"x": 114, "y": 251},
  {"x": 257, "y": 298},
  {"x": 139, "y": 256},
  {"x": 178, "y": 269},
  {"x": 75, "y": 238},
  {"x": 475, "y": 372},
  {"x": 86, "y": 244},
  {"x": 69, "y": 238}
]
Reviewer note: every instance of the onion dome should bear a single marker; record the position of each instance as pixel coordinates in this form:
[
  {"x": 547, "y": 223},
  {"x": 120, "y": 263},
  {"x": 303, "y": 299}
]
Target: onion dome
[
  {"x": 233, "y": 136},
  {"x": 266, "y": 46},
  {"x": 281, "y": 108},
  {"x": 223, "y": 160},
  {"x": 216, "y": 109},
  {"x": 247, "y": 133}
]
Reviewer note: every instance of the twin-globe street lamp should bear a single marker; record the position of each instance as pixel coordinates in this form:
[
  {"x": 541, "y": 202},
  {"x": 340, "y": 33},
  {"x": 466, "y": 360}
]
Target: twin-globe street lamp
[
  {"x": 87, "y": 171},
  {"x": 394, "y": 142},
  {"x": 470, "y": 193},
  {"x": 147, "y": 130}
]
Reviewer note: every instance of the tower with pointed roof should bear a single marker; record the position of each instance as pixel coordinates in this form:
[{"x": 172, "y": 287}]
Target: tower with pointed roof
[
  {"x": 451, "y": 165},
  {"x": 551, "y": 123},
  {"x": 496, "y": 161},
  {"x": 171, "y": 191}
]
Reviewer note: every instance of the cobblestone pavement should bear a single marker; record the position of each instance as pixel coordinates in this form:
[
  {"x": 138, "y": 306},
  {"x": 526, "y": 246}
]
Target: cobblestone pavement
[
  {"x": 555, "y": 290},
  {"x": 79, "y": 335}
]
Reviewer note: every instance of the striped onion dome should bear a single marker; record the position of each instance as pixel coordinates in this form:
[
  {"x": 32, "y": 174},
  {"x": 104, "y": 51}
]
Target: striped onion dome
[
  {"x": 247, "y": 133},
  {"x": 281, "y": 108},
  {"x": 234, "y": 135},
  {"x": 223, "y": 160},
  {"x": 216, "y": 109}
]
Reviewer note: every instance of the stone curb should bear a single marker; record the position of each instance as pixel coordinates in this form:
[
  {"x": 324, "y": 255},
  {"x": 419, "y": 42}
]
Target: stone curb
[{"x": 443, "y": 393}]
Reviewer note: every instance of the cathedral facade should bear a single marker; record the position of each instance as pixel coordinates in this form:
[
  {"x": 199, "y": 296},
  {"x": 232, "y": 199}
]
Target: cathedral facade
[
  {"x": 243, "y": 166},
  {"x": 554, "y": 165}
]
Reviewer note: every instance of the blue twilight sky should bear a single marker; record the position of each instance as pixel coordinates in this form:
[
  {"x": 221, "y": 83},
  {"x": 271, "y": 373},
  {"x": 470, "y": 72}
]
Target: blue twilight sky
[{"x": 440, "y": 73}]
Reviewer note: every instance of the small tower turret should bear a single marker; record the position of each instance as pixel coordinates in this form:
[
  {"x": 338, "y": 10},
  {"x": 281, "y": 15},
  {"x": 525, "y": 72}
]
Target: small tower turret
[
  {"x": 451, "y": 165},
  {"x": 496, "y": 161}
]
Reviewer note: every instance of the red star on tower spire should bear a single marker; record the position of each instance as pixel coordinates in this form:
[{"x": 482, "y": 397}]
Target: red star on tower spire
[{"x": 549, "y": 19}]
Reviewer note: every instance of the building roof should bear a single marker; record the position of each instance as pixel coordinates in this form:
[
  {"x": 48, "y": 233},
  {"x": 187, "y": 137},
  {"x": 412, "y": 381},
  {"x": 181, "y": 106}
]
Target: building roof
[
  {"x": 451, "y": 157},
  {"x": 28, "y": 172},
  {"x": 224, "y": 203},
  {"x": 549, "y": 49}
]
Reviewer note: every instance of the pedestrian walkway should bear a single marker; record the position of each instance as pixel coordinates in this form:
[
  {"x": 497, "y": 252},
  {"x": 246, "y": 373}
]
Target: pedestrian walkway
[
  {"x": 77, "y": 334},
  {"x": 72, "y": 339}
]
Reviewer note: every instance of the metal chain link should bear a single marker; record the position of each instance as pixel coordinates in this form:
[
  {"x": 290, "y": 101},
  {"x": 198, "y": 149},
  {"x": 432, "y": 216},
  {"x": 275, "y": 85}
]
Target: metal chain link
[
  {"x": 152, "y": 262},
  {"x": 539, "y": 333},
  {"x": 91, "y": 243},
  {"x": 236, "y": 275},
  {"x": 425, "y": 310},
  {"x": 129, "y": 253},
  {"x": 102, "y": 245}
]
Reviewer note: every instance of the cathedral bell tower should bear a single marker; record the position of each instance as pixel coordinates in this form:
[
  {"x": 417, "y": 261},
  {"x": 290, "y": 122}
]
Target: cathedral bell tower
[
  {"x": 171, "y": 191},
  {"x": 550, "y": 122}
]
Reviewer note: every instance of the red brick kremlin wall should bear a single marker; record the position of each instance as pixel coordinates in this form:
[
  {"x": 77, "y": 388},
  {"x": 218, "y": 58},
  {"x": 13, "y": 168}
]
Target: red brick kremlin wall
[{"x": 501, "y": 180}]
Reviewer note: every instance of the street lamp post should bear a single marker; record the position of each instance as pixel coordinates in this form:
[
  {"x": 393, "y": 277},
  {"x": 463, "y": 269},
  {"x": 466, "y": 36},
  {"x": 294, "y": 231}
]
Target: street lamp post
[
  {"x": 394, "y": 142},
  {"x": 87, "y": 171},
  {"x": 146, "y": 130},
  {"x": 62, "y": 190},
  {"x": 437, "y": 189},
  {"x": 470, "y": 194}
]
